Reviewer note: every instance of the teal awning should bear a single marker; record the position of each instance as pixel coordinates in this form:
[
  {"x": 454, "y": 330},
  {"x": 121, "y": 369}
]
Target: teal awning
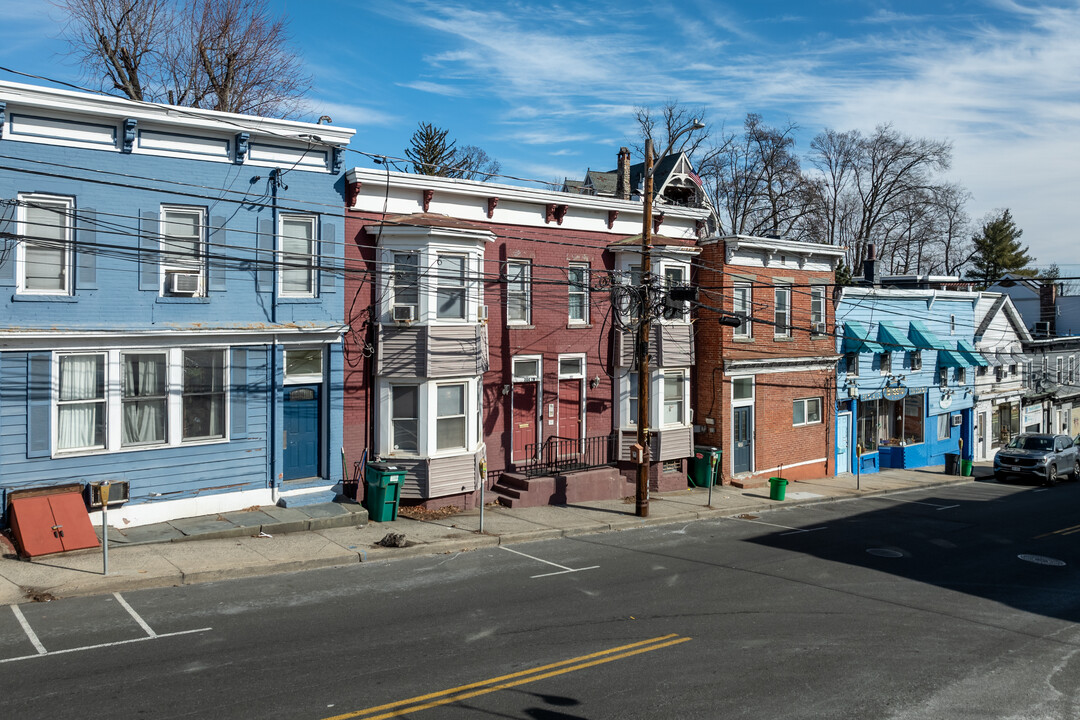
[
  {"x": 892, "y": 337},
  {"x": 971, "y": 354},
  {"x": 921, "y": 337},
  {"x": 856, "y": 339},
  {"x": 953, "y": 358}
]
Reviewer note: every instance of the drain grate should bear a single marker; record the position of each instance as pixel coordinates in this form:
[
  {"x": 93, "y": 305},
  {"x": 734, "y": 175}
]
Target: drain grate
[
  {"x": 1041, "y": 560},
  {"x": 885, "y": 552}
]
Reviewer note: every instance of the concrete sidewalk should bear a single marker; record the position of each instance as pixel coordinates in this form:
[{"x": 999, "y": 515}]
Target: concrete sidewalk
[{"x": 270, "y": 540}]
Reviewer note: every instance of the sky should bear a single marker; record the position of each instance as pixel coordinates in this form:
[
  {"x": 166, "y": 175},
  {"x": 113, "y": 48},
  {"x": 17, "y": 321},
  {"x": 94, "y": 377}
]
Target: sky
[{"x": 550, "y": 89}]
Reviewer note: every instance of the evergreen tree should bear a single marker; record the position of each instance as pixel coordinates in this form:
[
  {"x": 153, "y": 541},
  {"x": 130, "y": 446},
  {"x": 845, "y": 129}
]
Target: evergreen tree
[
  {"x": 998, "y": 250},
  {"x": 843, "y": 275},
  {"x": 429, "y": 152}
]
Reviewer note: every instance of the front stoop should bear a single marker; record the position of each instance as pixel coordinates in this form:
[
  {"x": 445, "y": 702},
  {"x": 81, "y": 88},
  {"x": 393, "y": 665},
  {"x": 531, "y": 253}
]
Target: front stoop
[
  {"x": 749, "y": 482},
  {"x": 515, "y": 490}
]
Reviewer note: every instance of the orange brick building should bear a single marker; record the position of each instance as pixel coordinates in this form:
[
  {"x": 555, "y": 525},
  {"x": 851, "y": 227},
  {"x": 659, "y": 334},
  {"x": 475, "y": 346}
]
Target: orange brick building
[{"x": 765, "y": 391}]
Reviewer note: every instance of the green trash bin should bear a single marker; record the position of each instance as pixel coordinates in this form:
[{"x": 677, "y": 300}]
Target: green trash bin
[
  {"x": 777, "y": 488},
  {"x": 703, "y": 468},
  {"x": 383, "y": 483},
  {"x": 965, "y": 468}
]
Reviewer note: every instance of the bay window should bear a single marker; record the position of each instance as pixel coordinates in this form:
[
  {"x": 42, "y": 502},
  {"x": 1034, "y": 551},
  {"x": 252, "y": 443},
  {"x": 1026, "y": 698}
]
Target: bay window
[
  {"x": 427, "y": 419},
  {"x": 674, "y": 398},
  {"x": 404, "y": 405},
  {"x": 450, "y": 417},
  {"x": 450, "y": 287}
]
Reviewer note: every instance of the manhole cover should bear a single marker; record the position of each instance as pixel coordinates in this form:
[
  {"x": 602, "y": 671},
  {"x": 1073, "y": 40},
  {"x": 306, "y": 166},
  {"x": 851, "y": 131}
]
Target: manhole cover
[
  {"x": 885, "y": 552},
  {"x": 1040, "y": 560}
]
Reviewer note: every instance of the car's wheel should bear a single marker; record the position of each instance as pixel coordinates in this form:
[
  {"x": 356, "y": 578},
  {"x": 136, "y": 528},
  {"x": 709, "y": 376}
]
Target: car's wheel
[
  {"x": 1051, "y": 474},
  {"x": 1076, "y": 470}
]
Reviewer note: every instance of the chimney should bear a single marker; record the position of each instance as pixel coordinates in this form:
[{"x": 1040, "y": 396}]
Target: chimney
[
  {"x": 622, "y": 180},
  {"x": 1048, "y": 305},
  {"x": 870, "y": 269}
]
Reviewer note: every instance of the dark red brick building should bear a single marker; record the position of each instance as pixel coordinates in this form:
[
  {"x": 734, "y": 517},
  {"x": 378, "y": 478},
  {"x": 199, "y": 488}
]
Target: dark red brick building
[{"x": 481, "y": 329}]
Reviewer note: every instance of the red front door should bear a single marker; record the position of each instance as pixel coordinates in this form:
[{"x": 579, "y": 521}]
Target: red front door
[
  {"x": 524, "y": 418},
  {"x": 570, "y": 410}
]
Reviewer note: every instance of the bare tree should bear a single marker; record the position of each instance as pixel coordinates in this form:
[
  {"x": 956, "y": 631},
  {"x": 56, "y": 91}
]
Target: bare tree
[
  {"x": 673, "y": 118},
  {"x": 473, "y": 163},
  {"x": 833, "y": 154},
  {"x": 228, "y": 55},
  {"x": 432, "y": 153}
]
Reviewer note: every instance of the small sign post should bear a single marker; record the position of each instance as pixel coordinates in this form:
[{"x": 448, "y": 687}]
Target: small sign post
[
  {"x": 104, "y": 489},
  {"x": 483, "y": 482}
]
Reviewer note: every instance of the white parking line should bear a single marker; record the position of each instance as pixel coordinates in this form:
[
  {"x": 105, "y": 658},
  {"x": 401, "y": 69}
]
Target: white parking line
[
  {"x": 102, "y": 645},
  {"x": 793, "y": 530},
  {"x": 28, "y": 630},
  {"x": 563, "y": 570},
  {"x": 131, "y": 611}
]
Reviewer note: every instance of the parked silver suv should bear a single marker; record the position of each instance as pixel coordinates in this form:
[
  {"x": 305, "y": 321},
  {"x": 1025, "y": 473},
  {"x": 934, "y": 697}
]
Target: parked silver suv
[{"x": 1046, "y": 457}]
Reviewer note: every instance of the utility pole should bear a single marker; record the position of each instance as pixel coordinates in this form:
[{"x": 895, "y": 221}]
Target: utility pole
[{"x": 641, "y": 504}]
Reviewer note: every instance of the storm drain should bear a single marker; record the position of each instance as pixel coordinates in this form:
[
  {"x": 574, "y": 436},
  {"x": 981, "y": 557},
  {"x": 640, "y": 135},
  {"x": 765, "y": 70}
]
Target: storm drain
[
  {"x": 885, "y": 552},
  {"x": 1041, "y": 560}
]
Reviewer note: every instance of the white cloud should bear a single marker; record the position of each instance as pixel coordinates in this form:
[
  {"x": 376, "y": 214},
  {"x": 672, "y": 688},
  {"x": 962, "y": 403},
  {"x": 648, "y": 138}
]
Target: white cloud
[
  {"x": 353, "y": 115},
  {"x": 434, "y": 88}
]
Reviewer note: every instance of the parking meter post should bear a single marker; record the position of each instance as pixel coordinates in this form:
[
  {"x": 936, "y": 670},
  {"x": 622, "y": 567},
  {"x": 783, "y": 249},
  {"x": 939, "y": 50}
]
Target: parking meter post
[
  {"x": 483, "y": 482},
  {"x": 712, "y": 477},
  {"x": 858, "y": 466},
  {"x": 104, "y": 489}
]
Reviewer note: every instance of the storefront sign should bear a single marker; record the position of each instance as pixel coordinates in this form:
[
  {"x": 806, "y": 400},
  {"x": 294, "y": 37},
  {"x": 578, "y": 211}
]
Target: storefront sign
[{"x": 893, "y": 392}]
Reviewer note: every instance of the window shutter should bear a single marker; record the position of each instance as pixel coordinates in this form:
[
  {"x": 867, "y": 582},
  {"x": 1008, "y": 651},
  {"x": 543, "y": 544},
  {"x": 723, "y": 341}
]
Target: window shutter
[
  {"x": 217, "y": 252},
  {"x": 39, "y": 405},
  {"x": 7, "y": 245},
  {"x": 86, "y": 250},
  {"x": 148, "y": 251},
  {"x": 240, "y": 391},
  {"x": 264, "y": 258},
  {"x": 328, "y": 258}
]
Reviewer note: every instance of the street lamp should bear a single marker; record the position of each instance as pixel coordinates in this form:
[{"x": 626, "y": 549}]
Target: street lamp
[{"x": 641, "y": 504}]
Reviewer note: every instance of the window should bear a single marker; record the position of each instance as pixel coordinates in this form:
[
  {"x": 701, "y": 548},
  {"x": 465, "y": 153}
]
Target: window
[
  {"x": 742, "y": 388},
  {"x": 1072, "y": 369},
  {"x": 674, "y": 398},
  {"x": 450, "y": 287},
  {"x": 806, "y": 411},
  {"x": 297, "y": 256},
  {"x": 44, "y": 255},
  {"x": 952, "y": 324},
  {"x": 203, "y": 403},
  {"x": 144, "y": 399},
  {"x": 406, "y": 282},
  {"x": 450, "y": 417},
  {"x": 912, "y": 431},
  {"x": 782, "y": 312},
  {"x": 518, "y": 291},
  {"x": 851, "y": 364},
  {"x": 404, "y": 404},
  {"x": 632, "y": 394},
  {"x": 183, "y": 252},
  {"x": 817, "y": 309},
  {"x": 674, "y": 277},
  {"x": 886, "y": 363},
  {"x": 944, "y": 431},
  {"x": 128, "y": 400},
  {"x": 916, "y": 359},
  {"x": 303, "y": 366},
  {"x": 81, "y": 403},
  {"x": 571, "y": 367},
  {"x": 961, "y": 375},
  {"x": 1060, "y": 371},
  {"x": 578, "y": 276},
  {"x": 943, "y": 376},
  {"x": 742, "y": 296}
]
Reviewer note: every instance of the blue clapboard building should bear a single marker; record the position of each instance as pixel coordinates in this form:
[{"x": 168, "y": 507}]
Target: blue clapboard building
[
  {"x": 171, "y": 311},
  {"x": 905, "y": 386}
]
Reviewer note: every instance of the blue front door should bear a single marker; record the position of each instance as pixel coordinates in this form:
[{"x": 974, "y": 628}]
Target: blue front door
[
  {"x": 742, "y": 439},
  {"x": 300, "y": 443}
]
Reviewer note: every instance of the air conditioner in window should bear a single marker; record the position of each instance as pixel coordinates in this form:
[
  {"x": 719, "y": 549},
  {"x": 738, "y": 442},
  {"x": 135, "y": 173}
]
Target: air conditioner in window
[
  {"x": 819, "y": 328},
  {"x": 482, "y": 313},
  {"x": 956, "y": 420},
  {"x": 404, "y": 313},
  {"x": 184, "y": 283},
  {"x": 119, "y": 493}
]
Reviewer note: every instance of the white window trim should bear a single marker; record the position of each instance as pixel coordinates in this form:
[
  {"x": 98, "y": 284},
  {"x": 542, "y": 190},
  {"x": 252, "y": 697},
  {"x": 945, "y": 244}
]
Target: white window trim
[
  {"x": 659, "y": 271},
  {"x": 582, "y": 291},
  {"x": 167, "y": 265},
  {"x": 466, "y": 287},
  {"x": 815, "y": 291},
  {"x": 427, "y": 425},
  {"x": 806, "y": 412},
  {"x": 572, "y": 376},
  {"x": 391, "y": 283},
  {"x": 527, "y": 292},
  {"x": 784, "y": 332},
  {"x": 25, "y": 231},
  {"x": 174, "y": 368},
  {"x": 464, "y": 415},
  {"x": 684, "y": 383},
  {"x": 746, "y": 330},
  {"x": 627, "y": 386},
  {"x": 282, "y": 259},
  {"x": 303, "y": 378}
]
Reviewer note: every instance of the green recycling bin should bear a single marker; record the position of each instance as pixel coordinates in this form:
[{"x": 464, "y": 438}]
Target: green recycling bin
[
  {"x": 383, "y": 483},
  {"x": 704, "y": 466},
  {"x": 777, "y": 488},
  {"x": 965, "y": 468}
]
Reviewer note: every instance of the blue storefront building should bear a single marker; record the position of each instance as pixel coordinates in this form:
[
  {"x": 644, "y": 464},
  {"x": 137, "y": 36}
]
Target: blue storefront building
[
  {"x": 171, "y": 314},
  {"x": 905, "y": 386}
]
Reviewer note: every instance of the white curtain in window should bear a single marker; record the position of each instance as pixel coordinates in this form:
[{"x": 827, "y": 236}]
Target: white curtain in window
[
  {"x": 82, "y": 393},
  {"x": 144, "y": 399}
]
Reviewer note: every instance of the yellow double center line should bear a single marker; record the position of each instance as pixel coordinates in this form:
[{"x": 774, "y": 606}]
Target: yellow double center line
[
  {"x": 1063, "y": 531},
  {"x": 464, "y": 692}
]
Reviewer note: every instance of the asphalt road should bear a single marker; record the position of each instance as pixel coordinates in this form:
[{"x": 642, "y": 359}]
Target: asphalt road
[{"x": 915, "y": 605}]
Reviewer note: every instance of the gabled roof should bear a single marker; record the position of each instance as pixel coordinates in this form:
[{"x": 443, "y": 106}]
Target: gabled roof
[{"x": 602, "y": 183}]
